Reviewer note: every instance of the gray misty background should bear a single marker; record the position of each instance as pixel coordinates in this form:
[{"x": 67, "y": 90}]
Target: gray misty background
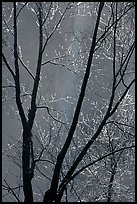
[{"x": 59, "y": 88}]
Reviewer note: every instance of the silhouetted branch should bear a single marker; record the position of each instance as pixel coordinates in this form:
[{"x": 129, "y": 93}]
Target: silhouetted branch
[
  {"x": 121, "y": 98},
  {"x": 43, "y": 173},
  {"x": 55, "y": 58},
  {"x": 8, "y": 66},
  {"x": 61, "y": 155},
  {"x": 7, "y": 25},
  {"x": 38, "y": 70},
  {"x": 12, "y": 191},
  {"x": 119, "y": 123},
  {"x": 47, "y": 13},
  {"x": 56, "y": 26},
  {"x": 38, "y": 107},
  {"x": 8, "y": 86},
  {"x": 116, "y": 124},
  {"x": 92, "y": 163},
  {"x": 21, "y": 9},
  {"x": 105, "y": 34},
  {"x": 17, "y": 81},
  {"x": 14, "y": 97},
  {"x": 26, "y": 68}
]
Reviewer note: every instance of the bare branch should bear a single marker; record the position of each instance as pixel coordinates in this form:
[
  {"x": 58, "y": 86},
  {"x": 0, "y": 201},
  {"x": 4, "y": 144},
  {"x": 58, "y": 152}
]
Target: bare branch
[
  {"x": 26, "y": 68},
  {"x": 47, "y": 13},
  {"x": 125, "y": 63},
  {"x": 119, "y": 150},
  {"x": 38, "y": 71},
  {"x": 55, "y": 28},
  {"x": 52, "y": 116},
  {"x": 7, "y": 25},
  {"x": 87, "y": 146},
  {"x": 21, "y": 9},
  {"x": 119, "y": 123},
  {"x": 121, "y": 98},
  {"x": 8, "y": 86},
  {"x": 114, "y": 43},
  {"x": 105, "y": 34},
  {"x": 92, "y": 163},
  {"x": 17, "y": 75},
  {"x": 61, "y": 155},
  {"x": 13, "y": 193},
  {"x": 116, "y": 124},
  {"x": 44, "y": 160},
  {"x": 14, "y": 97},
  {"x": 14, "y": 188},
  {"x": 55, "y": 58},
  {"x": 43, "y": 173},
  {"x": 8, "y": 66}
]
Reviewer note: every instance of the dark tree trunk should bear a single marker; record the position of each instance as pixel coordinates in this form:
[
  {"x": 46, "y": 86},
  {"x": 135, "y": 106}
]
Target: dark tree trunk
[
  {"x": 110, "y": 187},
  {"x": 61, "y": 156},
  {"x": 48, "y": 197},
  {"x": 27, "y": 187}
]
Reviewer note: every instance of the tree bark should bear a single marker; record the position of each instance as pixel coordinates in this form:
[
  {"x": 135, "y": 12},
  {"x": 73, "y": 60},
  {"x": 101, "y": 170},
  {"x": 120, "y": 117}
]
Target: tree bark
[
  {"x": 110, "y": 187},
  {"x": 27, "y": 186}
]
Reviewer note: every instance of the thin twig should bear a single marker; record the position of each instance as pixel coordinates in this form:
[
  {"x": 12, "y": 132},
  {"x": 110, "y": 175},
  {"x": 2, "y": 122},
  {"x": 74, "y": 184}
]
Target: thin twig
[
  {"x": 8, "y": 66},
  {"x": 13, "y": 193},
  {"x": 101, "y": 158},
  {"x": 52, "y": 116},
  {"x": 21, "y": 9},
  {"x": 26, "y": 68},
  {"x": 8, "y": 86}
]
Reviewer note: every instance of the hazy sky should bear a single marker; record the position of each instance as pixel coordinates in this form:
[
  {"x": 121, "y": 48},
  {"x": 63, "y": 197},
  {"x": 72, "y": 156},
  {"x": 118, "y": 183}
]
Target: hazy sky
[{"x": 59, "y": 86}]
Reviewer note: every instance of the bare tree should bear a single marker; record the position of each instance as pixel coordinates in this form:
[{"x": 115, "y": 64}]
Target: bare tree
[{"x": 106, "y": 33}]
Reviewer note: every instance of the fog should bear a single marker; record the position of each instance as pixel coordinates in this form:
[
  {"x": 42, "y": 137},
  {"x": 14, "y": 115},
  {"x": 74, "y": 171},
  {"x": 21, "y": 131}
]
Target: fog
[{"x": 59, "y": 88}]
